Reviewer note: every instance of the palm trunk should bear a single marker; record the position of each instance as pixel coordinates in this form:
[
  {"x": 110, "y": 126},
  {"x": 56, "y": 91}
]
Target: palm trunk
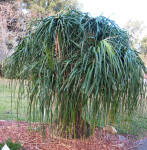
[
  {"x": 82, "y": 128},
  {"x": 78, "y": 121}
]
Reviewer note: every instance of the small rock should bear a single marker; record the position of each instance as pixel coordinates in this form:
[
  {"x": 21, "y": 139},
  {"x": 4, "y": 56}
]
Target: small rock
[
  {"x": 122, "y": 138},
  {"x": 110, "y": 129}
]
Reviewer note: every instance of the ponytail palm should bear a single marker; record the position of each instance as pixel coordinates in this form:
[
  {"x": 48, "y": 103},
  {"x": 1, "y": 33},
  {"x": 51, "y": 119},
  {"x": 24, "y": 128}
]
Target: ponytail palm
[{"x": 78, "y": 68}]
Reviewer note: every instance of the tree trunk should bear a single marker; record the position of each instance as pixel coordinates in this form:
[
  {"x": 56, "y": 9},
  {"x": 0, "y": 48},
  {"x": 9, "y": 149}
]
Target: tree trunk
[
  {"x": 78, "y": 121},
  {"x": 82, "y": 128}
]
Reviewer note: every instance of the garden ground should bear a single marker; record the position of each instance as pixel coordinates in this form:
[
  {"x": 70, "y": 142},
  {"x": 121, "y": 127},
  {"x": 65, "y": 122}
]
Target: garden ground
[{"x": 30, "y": 137}]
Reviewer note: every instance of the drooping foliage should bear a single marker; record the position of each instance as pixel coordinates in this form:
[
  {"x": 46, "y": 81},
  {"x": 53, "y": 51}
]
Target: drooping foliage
[{"x": 78, "y": 67}]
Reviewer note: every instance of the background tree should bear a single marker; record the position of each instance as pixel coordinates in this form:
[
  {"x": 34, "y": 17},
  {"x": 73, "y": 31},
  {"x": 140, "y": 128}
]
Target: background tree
[
  {"x": 80, "y": 71},
  {"x": 44, "y": 8},
  {"x": 14, "y": 21},
  {"x": 12, "y": 26},
  {"x": 144, "y": 45},
  {"x": 135, "y": 29}
]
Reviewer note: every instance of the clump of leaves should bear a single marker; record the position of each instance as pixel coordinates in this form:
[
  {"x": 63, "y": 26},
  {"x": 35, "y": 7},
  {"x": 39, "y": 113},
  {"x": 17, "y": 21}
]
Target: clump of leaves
[
  {"x": 78, "y": 69},
  {"x": 12, "y": 145}
]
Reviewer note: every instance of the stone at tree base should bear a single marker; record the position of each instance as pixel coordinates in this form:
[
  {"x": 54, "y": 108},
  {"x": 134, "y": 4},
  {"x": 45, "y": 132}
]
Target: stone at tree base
[
  {"x": 110, "y": 129},
  {"x": 122, "y": 138},
  {"x": 5, "y": 147}
]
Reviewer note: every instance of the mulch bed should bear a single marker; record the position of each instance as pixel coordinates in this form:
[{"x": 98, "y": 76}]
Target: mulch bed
[{"x": 32, "y": 139}]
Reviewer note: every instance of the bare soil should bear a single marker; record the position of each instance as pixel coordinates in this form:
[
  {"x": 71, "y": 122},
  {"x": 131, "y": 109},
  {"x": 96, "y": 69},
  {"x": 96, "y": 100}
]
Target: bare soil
[{"x": 31, "y": 138}]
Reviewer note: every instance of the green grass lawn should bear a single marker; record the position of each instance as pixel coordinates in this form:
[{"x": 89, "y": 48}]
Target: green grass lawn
[
  {"x": 136, "y": 126},
  {"x": 8, "y": 102}
]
